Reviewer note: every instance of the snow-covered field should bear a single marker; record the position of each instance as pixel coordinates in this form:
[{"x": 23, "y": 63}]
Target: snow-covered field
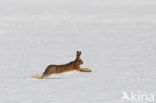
[{"x": 117, "y": 39}]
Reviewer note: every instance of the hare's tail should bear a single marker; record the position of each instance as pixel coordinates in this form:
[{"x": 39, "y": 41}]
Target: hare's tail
[{"x": 38, "y": 76}]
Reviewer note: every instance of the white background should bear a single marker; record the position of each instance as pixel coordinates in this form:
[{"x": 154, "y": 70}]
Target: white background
[{"x": 117, "y": 39}]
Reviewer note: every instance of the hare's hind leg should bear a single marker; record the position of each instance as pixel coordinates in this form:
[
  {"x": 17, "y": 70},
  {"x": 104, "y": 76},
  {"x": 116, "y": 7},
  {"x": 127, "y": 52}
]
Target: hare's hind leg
[
  {"x": 45, "y": 75},
  {"x": 37, "y": 76},
  {"x": 48, "y": 71},
  {"x": 42, "y": 76}
]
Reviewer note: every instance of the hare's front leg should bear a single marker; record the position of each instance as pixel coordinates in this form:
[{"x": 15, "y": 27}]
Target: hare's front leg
[{"x": 84, "y": 70}]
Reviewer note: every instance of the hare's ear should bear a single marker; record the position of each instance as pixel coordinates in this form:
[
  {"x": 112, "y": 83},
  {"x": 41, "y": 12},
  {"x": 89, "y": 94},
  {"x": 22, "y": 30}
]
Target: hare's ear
[{"x": 78, "y": 54}]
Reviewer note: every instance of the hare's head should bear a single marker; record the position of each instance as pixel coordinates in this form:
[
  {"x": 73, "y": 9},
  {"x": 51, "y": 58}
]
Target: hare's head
[
  {"x": 79, "y": 62},
  {"x": 78, "y": 54}
]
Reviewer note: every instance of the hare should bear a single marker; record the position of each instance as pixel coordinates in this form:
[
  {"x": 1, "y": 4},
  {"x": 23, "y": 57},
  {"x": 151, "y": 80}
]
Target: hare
[{"x": 74, "y": 65}]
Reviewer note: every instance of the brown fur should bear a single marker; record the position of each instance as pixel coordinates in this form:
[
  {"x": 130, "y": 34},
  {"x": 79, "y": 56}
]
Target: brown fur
[{"x": 74, "y": 65}]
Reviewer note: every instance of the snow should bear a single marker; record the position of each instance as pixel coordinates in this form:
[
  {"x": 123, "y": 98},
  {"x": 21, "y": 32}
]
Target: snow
[{"x": 117, "y": 39}]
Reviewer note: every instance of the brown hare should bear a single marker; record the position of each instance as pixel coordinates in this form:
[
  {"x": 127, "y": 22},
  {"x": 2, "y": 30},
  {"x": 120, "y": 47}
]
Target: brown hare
[{"x": 74, "y": 65}]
